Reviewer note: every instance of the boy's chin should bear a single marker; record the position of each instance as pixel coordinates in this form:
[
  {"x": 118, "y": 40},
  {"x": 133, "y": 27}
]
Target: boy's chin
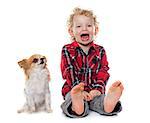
[{"x": 85, "y": 43}]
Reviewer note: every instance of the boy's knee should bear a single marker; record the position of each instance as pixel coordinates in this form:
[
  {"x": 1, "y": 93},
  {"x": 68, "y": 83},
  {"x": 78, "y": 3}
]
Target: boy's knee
[
  {"x": 108, "y": 109},
  {"x": 79, "y": 112}
]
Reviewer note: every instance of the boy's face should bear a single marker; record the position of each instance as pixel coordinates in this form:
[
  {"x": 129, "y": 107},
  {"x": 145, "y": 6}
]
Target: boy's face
[{"x": 83, "y": 29}]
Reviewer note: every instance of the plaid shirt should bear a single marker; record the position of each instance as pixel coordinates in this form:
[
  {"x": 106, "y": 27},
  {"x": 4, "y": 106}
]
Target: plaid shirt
[{"x": 91, "y": 68}]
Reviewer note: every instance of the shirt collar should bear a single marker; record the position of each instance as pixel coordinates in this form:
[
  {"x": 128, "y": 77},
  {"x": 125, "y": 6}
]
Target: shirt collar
[{"x": 76, "y": 45}]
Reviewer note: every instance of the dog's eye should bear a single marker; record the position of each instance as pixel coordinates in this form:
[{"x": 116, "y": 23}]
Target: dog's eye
[{"x": 35, "y": 60}]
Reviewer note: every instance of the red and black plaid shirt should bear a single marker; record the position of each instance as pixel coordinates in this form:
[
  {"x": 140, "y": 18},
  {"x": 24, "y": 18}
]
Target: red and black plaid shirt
[{"x": 91, "y": 68}]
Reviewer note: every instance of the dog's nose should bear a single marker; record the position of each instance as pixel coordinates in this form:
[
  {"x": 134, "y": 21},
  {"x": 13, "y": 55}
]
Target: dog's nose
[{"x": 42, "y": 60}]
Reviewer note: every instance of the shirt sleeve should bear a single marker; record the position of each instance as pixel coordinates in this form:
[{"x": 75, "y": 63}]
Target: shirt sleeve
[
  {"x": 68, "y": 71},
  {"x": 102, "y": 75}
]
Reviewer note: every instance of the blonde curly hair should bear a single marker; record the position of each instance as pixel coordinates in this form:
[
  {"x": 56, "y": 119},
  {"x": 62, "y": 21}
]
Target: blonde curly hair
[{"x": 78, "y": 11}]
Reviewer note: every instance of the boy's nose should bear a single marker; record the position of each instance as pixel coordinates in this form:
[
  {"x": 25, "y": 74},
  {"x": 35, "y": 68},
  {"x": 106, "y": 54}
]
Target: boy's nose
[{"x": 84, "y": 28}]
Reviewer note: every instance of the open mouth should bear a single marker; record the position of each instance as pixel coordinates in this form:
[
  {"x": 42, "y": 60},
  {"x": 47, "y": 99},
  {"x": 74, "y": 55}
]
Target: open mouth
[{"x": 84, "y": 37}]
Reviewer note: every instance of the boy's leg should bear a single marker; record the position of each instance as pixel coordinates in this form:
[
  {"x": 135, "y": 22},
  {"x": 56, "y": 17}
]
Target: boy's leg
[
  {"x": 108, "y": 105},
  {"x": 74, "y": 105},
  {"x": 113, "y": 96},
  {"x": 77, "y": 99}
]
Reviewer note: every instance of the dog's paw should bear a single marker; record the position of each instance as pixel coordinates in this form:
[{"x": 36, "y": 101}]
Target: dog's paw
[
  {"x": 19, "y": 111},
  {"x": 49, "y": 110},
  {"x": 32, "y": 109}
]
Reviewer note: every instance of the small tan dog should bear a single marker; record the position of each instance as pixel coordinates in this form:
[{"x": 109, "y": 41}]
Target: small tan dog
[{"x": 37, "y": 84}]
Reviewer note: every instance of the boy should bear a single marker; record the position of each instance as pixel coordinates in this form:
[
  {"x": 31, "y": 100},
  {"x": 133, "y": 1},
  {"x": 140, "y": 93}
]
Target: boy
[{"x": 84, "y": 66}]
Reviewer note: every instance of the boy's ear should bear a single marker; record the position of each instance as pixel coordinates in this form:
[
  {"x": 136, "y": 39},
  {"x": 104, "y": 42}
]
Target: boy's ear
[{"x": 70, "y": 31}]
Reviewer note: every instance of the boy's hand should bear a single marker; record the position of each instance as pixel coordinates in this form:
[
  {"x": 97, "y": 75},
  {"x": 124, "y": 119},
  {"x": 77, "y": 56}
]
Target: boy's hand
[
  {"x": 94, "y": 93},
  {"x": 86, "y": 96}
]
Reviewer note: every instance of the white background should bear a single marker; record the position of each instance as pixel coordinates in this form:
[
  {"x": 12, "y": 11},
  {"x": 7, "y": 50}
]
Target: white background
[{"x": 39, "y": 26}]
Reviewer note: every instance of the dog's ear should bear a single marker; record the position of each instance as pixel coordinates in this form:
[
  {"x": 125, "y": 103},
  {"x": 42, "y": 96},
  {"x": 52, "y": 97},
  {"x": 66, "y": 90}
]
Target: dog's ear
[{"x": 24, "y": 64}]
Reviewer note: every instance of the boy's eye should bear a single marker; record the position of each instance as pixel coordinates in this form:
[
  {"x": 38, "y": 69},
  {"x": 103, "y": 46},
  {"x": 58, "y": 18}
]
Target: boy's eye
[
  {"x": 89, "y": 25},
  {"x": 78, "y": 26}
]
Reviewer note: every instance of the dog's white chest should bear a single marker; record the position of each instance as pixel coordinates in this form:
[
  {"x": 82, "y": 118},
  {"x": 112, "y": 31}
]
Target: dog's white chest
[{"x": 37, "y": 82}]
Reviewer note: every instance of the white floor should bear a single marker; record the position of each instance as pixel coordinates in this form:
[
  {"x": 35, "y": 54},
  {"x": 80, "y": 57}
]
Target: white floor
[{"x": 135, "y": 103}]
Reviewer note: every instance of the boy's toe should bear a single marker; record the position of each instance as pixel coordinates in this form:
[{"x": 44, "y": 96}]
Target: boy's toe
[{"x": 117, "y": 83}]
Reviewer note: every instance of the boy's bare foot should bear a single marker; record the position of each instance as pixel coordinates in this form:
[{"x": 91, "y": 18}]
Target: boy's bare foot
[
  {"x": 77, "y": 98},
  {"x": 113, "y": 96}
]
